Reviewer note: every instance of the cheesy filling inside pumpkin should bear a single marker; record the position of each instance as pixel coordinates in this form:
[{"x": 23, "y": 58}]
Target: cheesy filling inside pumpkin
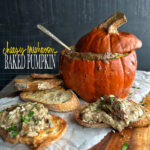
[
  {"x": 25, "y": 119},
  {"x": 116, "y": 112},
  {"x": 93, "y": 56}
]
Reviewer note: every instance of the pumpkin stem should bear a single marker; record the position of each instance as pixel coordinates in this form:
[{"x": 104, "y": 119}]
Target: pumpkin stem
[{"x": 113, "y": 22}]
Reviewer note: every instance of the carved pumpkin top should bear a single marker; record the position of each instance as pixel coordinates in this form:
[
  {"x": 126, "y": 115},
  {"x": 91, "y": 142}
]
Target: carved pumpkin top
[{"x": 105, "y": 38}]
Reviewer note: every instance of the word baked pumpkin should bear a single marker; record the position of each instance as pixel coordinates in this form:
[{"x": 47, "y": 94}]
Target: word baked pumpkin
[{"x": 102, "y": 62}]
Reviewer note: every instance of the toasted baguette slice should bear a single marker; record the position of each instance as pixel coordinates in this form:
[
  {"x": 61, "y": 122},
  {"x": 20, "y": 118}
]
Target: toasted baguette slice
[
  {"x": 57, "y": 99},
  {"x": 90, "y": 125},
  {"x": 45, "y": 137},
  {"x": 143, "y": 122},
  {"x": 44, "y": 76},
  {"x": 30, "y": 84}
]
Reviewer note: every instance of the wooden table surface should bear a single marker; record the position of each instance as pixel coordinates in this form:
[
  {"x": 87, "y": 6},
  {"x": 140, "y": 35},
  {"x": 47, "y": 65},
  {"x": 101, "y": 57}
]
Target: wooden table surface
[{"x": 138, "y": 138}]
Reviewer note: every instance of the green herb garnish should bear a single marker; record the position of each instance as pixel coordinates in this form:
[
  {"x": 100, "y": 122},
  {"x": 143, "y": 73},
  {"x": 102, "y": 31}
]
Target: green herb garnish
[
  {"x": 125, "y": 54},
  {"x": 12, "y": 128},
  {"x": 111, "y": 100},
  {"x": 130, "y": 93},
  {"x": 26, "y": 120},
  {"x": 122, "y": 135},
  {"x": 120, "y": 105},
  {"x": 134, "y": 87},
  {"x": 14, "y": 134},
  {"x": 143, "y": 104},
  {"x": 36, "y": 106},
  {"x": 23, "y": 119},
  {"x": 125, "y": 146},
  {"x": 110, "y": 109},
  {"x": 97, "y": 110},
  {"x": 64, "y": 101},
  {"x": 103, "y": 96},
  {"x": 31, "y": 113},
  {"x": 36, "y": 122}
]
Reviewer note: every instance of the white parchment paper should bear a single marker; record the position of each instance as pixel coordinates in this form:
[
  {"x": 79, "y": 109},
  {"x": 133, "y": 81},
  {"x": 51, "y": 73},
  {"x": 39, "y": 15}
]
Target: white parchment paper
[{"x": 76, "y": 136}]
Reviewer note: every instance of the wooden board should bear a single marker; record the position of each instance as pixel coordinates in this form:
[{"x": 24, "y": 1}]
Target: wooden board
[{"x": 137, "y": 138}]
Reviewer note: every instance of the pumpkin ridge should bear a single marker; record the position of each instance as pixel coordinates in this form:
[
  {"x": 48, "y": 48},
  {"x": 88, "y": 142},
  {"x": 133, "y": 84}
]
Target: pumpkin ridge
[
  {"x": 99, "y": 41},
  {"x": 109, "y": 75},
  {"x": 103, "y": 37},
  {"x": 123, "y": 76},
  {"x": 110, "y": 43},
  {"x": 110, "y": 46},
  {"x": 120, "y": 43},
  {"x": 72, "y": 71},
  {"x": 86, "y": 48},
  {"x": 95, "y": 77},
  {"x": 91, "y": 43}
]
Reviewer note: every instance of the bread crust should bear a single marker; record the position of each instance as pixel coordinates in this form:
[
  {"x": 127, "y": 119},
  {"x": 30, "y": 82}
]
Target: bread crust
[
  {"x": 30, "y": 84},
  {"x": 41, "y": 141},
  {"x": 44, "y": 76},
  {"x": 70, "y": 105},
  {"x": 144, "y": 121},
  {"x": 141, "y": 123}
]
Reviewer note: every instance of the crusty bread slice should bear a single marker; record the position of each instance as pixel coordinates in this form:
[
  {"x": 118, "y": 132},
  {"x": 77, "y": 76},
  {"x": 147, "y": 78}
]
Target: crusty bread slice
[
  {"x": 90, "y": 125},
  {"x": 57, "y": 99},
  {"x": 144, "y": 121},
  {"x": 44, "y": 76},
  {"x": 30, "y": 84},
  {"x": 45, "y": 137}
]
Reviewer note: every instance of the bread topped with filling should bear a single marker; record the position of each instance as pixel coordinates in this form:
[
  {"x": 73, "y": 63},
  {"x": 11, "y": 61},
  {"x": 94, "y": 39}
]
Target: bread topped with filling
[
  {"x": 31, "y": 124},
  {"x": 111, "y": 111}
]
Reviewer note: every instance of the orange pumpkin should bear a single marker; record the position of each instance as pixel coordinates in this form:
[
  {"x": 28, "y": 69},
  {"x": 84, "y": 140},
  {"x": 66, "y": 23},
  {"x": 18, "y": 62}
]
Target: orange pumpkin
[{"x": 89, "y": 73}]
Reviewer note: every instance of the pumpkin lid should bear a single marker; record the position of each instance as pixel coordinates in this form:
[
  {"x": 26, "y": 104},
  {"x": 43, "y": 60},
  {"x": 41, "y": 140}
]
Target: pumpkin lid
[{"x": 105, "y": 37}]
